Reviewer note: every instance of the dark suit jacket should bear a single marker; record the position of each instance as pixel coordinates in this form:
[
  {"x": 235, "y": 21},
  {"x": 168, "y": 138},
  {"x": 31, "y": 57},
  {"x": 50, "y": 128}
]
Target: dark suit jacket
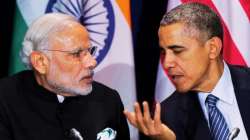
[
  {"x": 30, "y": 112},
  {"x": 184, "y": 115}
]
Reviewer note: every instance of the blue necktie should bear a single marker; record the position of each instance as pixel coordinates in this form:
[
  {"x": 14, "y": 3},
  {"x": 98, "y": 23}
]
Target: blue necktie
[{"x": 218, "y": 126}]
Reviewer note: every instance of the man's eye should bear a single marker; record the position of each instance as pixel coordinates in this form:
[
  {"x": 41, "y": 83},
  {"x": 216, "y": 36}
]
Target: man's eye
[
  {"x": 177, "y": 51},
  {"x": 76, "y": 54}
]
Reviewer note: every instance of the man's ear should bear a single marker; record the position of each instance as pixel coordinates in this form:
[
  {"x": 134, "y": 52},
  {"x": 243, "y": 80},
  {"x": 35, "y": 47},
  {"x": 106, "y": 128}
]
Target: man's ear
[
  {"x": 215, "y": 47},
  {"x": 39, "y": 62}
]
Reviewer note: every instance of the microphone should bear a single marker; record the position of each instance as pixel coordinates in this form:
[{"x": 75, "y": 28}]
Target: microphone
[
  {"x": 76, "y": 134},
  {"x": 234, "y": 133}
]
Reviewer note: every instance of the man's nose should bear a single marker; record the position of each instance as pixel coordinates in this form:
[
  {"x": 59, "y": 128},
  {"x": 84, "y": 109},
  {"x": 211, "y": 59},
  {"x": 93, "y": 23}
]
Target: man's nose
[
  {"x": 90, "y": 62},
  {"x": 169, "y": 60}
]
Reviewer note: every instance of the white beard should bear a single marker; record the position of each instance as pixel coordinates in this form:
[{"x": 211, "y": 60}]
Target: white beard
[
  {"x": 60, "y": 87},
  {"x": 65, "y": 89}
]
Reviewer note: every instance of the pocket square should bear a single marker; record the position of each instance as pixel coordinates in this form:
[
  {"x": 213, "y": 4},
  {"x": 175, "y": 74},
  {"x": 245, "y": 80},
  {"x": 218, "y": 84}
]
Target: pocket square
[{"x": 106, "y": 134}]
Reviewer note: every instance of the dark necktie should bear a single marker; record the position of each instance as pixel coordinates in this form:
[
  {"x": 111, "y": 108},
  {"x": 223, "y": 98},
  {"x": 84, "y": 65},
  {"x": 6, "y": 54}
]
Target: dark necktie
[{"x": 218, "y": 126}]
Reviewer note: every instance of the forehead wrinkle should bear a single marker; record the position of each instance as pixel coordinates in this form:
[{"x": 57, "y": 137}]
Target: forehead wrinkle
[
  {"x": 62, "y": 39},
  {"x": 65, "y": 38},
  {"x": 57, "y": 35},
  {"x": 178, "y": 33}
]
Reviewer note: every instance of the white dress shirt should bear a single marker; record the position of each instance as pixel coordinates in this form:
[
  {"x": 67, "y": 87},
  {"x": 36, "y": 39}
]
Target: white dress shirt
[
  {"x": 227, "y": 103},
  {"x": 60, "y": 98}
]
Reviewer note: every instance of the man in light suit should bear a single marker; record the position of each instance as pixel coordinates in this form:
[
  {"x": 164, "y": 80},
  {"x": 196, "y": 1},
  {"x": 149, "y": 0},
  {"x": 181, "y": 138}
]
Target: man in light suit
[{"x": 212, "y": 97}]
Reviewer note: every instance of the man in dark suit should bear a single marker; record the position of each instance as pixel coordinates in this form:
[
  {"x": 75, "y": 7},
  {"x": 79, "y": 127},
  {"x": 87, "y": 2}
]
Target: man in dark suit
[
  {"x": 57, "y": 99},
  {"x": 211, "y": 98}
]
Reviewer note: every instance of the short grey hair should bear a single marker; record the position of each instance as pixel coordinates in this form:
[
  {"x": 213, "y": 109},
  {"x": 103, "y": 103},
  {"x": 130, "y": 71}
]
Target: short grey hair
[
  {"x": 36, "y": 38},
  {"x": 195, "y": 16}
]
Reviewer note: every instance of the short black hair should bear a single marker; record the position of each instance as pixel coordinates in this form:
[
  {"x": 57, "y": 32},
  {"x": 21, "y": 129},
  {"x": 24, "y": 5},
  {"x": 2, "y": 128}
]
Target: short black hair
[{"x": 195, "y": 16}]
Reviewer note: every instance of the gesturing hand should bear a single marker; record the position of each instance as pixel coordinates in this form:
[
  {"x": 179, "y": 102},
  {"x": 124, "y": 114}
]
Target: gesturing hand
[{"x": 153, "y": 128}]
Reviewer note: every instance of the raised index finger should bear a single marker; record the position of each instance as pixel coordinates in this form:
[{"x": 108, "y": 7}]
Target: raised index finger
[{"x": 157, "y": 116}]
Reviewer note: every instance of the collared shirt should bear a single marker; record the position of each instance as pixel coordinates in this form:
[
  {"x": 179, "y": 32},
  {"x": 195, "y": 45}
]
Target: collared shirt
[
  {"x": 227, "y": 103},
  {"x": 60, "y": 98}
]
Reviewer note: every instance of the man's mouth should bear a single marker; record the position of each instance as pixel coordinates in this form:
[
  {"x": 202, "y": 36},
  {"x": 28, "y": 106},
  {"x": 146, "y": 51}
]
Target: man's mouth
[
  {"x": 88, "y": 78},
  {"x": 176, "y": 78}
]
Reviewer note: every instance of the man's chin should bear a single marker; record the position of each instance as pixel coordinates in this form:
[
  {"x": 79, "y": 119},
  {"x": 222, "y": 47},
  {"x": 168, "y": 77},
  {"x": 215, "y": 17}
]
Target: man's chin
[
  {"x": 182, "y": 90},
  {"x": 76, "y": 91},
  {"x": 83, "y": 92}
]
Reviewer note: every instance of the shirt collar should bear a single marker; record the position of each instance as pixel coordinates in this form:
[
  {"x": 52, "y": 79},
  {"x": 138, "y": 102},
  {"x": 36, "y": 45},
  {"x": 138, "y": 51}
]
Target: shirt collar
[
  {"x": 224, "y": 88},
  {"x": 60, "y": 98}
]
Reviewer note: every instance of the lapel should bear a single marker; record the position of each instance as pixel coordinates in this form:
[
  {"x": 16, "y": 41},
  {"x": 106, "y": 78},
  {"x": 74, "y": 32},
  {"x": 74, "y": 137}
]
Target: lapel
[
  {"x": 241, "y": 80},
  {"x": 197, "y": 124}
]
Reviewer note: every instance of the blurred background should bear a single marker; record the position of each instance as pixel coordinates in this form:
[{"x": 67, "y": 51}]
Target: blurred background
[
  {"x": 6, "y": 31},
  {"x": 134, "y": 70}
]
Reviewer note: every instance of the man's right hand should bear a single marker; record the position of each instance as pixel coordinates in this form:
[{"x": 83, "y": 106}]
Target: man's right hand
[{"x": 153, "y": 128}]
